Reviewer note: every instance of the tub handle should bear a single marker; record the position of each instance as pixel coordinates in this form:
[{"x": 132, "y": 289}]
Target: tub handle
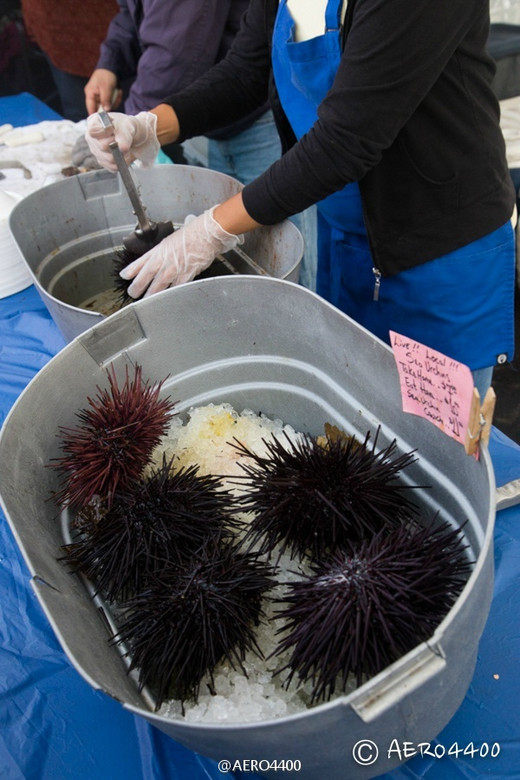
[
  {"x": 99, "y": 185},
  {"x": 388, "y": 688},
  {"x": 113, "y": 336}
]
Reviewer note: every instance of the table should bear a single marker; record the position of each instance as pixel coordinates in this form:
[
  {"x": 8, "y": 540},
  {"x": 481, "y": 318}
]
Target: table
[{"x": 53, "y": 726}]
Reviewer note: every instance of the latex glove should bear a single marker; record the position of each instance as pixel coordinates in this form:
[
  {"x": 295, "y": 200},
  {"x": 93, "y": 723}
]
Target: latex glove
[
  {"x": 180, "y": 256},
  {"x": 136, "y": 136}
]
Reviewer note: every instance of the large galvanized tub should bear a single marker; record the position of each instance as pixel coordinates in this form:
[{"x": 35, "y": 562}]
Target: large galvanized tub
[
  {"x": 268, "y": 345},
  {"x": 67, "y": 233}
]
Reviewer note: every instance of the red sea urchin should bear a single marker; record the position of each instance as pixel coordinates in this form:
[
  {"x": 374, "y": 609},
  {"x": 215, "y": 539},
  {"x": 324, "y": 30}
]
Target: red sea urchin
[
  {"x": 313, "y": 498},
  {"x": 370, "y": 604},
  {"x": 113, "y": 444},
  {"x": 192, "y": 616},
  {"x": 163, "y": 520}
]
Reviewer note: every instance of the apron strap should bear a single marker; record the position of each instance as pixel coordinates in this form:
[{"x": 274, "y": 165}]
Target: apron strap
[{"x": 333, "y": 15}]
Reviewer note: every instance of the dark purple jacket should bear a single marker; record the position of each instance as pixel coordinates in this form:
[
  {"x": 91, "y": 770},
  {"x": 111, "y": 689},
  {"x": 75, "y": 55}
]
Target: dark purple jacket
[{"x": 165, "y": 46}]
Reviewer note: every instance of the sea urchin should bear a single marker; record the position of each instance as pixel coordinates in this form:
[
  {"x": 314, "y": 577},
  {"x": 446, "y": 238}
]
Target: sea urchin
[
  {"x": 370, "y": 604},
  {"x": 117, "y": 435},
  {"x": 313, "y": 498},
  {"x": 164, "y": 519},
  {"x": 192, "y": 616},
  {"x": 123, "y": 258}
]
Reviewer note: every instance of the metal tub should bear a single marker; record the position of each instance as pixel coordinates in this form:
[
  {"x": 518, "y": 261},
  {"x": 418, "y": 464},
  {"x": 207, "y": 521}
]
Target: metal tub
[
  {"x": 273, "y": 346},
  {"x": 67, "y": 233}
]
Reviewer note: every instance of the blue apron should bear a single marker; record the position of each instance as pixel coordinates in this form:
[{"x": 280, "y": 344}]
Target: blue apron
[{"x": 461, "y": 304}]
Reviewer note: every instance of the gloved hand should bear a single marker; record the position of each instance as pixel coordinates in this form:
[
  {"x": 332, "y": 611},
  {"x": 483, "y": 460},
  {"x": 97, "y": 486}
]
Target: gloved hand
[
  {"x": 136, "y": 136},
  {"x": 180, "y": 256}
]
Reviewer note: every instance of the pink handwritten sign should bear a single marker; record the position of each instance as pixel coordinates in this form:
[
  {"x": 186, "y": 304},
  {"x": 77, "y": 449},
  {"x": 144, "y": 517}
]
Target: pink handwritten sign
[{"x": 434, "y": 386}]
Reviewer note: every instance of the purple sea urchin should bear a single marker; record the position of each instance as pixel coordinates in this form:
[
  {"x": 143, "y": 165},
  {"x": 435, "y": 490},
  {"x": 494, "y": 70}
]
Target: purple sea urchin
[
  {"x": 164, "y": 519},
  {"x": 114, "y": 441},
  {"x": 192, "y": 616},
  {"x": 370, "y": 604},
  {"x": 313, "y": 498},
  {"x": 123, "y": 258}
]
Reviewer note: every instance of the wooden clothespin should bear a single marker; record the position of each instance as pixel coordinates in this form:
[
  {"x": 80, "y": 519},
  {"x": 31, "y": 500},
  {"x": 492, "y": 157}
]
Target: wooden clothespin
[{"x": 480, "y": 419}]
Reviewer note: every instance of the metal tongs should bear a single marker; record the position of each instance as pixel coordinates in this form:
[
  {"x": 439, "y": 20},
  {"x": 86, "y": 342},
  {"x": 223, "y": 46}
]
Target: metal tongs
[{"x": 147, "y": 233}]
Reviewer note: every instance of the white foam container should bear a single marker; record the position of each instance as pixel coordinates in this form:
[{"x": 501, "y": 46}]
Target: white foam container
[{"x": 14, "y": 274}]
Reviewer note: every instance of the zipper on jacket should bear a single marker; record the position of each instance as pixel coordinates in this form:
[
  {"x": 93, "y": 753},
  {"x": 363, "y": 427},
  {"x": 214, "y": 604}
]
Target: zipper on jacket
[{"x": 377, "y": 282}]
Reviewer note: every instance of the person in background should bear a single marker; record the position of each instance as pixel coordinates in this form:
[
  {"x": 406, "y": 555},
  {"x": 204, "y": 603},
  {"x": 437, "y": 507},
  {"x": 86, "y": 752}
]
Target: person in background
[
  {"x": 164, "y": 47},
  {"x": 69, "y": 34},
  {"x": 390, "y": 124}
]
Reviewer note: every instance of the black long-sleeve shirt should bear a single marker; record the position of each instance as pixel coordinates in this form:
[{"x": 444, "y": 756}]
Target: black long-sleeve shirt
[{"x": 411, "y": 115}]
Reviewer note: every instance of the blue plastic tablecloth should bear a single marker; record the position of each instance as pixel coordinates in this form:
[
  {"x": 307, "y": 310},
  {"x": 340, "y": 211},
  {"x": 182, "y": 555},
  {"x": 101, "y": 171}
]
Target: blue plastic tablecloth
[
  {"x": 25, "y": 109},
  {"x": 54, "y": 726}
]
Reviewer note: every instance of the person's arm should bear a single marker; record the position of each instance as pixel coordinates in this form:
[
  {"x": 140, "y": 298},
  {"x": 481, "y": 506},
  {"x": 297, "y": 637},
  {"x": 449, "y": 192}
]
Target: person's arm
[
  {"x": 180, "y": 41},
  {"x": 120, "y": 50},
  {"x": 381, "y": 81},
  {"x": 101, "y": 91},
  {"x": 175, "y": 43},
  {"x": 232, "y": 216},
  {"x": 167, "y": 128},
  {"x": 234, "y": 88},
  {"x": 119, "y": 55}
]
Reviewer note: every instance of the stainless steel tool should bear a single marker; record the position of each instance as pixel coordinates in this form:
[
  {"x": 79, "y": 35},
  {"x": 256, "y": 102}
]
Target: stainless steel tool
[{"x": 147, "y": 233}]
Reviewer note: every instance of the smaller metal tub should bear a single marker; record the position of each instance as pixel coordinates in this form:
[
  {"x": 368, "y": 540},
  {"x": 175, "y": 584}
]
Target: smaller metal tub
[{"x": 67, "y": 233}]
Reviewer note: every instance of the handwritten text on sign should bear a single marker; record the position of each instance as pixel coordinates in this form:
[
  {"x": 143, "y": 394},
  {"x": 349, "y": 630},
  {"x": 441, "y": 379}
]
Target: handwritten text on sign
[{"x": 434, "y": 386}]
